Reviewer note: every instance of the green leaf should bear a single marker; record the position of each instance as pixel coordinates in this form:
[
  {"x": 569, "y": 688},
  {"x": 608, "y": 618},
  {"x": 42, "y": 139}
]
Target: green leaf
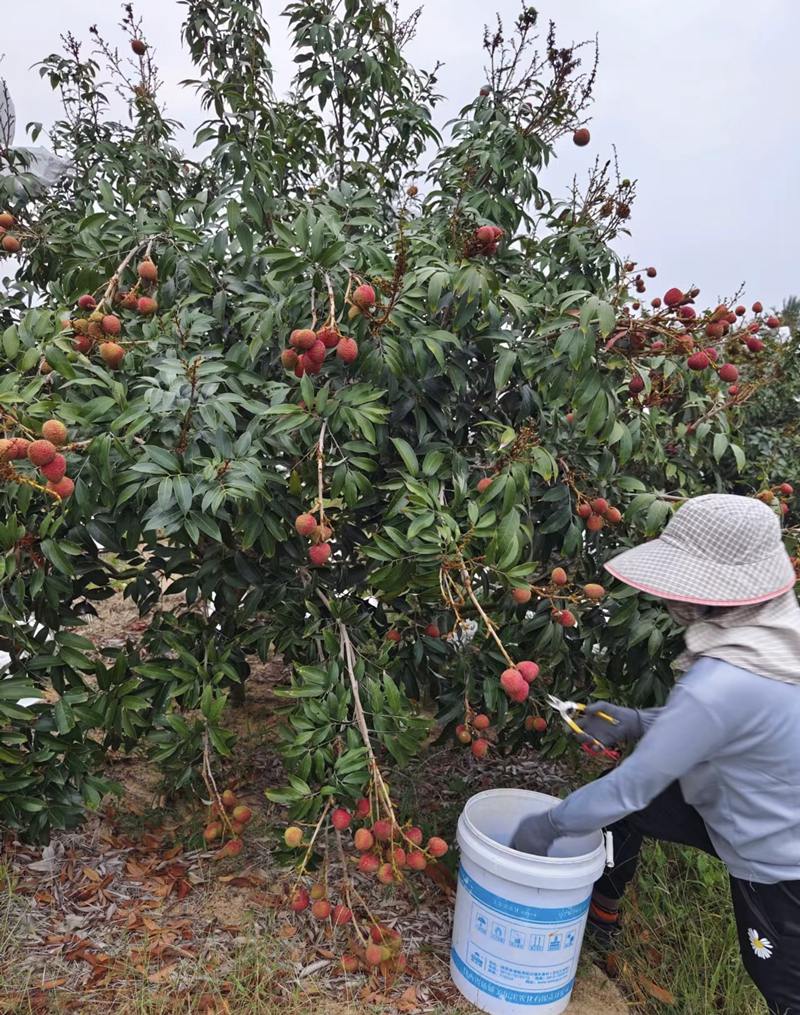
[{"x": 406, "y": 452}]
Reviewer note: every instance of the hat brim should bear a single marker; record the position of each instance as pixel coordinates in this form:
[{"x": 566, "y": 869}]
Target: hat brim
[{"x": 662, "y": 569}]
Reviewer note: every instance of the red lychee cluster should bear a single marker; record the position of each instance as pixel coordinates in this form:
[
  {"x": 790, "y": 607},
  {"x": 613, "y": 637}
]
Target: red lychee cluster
[
  {"x": 42, "y": 453},
  {"x": 597, "y": 512},
  {"x": 516, "y": 680},
  {"x": 320, "y": 533},
  {"x": 778, "y": 496},
  {"x": 472, "y": 733},
  {"x": 309, "y": 349},
  {"x": 484, "y": 241},
  {"x": 227, "y": 824}
]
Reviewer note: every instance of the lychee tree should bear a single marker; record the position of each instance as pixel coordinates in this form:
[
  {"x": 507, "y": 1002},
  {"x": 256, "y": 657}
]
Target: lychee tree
[{"x": 347, "y": 390}]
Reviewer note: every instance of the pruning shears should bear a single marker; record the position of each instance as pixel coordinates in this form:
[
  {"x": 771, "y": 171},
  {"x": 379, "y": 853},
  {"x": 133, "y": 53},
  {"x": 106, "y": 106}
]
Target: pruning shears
[{"x": 568, "y": 710}]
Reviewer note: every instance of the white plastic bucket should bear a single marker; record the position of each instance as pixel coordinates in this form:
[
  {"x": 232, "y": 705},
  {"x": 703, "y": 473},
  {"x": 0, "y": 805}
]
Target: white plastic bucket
[{"x": 519, "y": 919}]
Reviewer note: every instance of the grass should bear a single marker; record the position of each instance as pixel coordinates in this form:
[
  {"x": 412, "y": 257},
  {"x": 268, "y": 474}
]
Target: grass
[{"x": 680, "y": 934}]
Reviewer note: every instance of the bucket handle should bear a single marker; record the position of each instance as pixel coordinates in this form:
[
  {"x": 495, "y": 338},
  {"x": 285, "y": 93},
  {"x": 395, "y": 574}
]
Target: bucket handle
[{"x": 609, "y": 842}]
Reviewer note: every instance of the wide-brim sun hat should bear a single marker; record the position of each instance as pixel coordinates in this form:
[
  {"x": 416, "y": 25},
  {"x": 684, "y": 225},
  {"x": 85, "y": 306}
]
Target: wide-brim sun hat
[{"x": 716, "y": 550}]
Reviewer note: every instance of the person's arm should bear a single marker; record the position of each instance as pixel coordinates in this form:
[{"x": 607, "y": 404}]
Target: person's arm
[{"x": 682, "y": 734}]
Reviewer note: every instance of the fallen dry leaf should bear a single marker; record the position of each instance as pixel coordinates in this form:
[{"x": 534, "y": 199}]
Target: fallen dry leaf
[{"x": 162, "y": 974}]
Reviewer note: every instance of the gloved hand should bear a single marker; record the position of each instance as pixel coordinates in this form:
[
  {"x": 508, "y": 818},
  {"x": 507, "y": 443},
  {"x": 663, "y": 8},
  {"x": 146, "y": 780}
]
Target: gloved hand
[
  {"x": 628, "y": 726},
  {"x": 535, "y": 834}
]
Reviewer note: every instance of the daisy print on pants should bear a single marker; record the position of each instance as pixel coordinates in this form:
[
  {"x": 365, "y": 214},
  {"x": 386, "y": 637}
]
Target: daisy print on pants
[{"x": 762, "y": 946}]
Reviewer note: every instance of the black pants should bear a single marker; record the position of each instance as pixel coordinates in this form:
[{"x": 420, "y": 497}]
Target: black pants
[{"x": 767, "y": 916}]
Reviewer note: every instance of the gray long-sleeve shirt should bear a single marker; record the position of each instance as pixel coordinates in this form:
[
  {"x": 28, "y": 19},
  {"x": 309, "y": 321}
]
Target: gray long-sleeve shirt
[{"x": 732, "y": 739}]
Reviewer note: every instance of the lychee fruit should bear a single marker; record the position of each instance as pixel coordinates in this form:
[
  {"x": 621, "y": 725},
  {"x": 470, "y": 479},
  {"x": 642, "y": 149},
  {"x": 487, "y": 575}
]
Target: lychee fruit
[
  {"x": 511, "y": 680},
  {"x": 594, "y": 591},
  {"x": 432, "y": 631},
  {"x": 363, "y": 840},
  {"x": 584, "y": 511},
  {"x": 416, "y": 858},
  {"x": 398, "y": 856},
  {"x": 773, "y": 322},
  {"x": 242, "y": 814},
  {"x": 111, "y": 354},
  {"x": 636, "y": 384},
  {"x": 382, "y": 830},
  {"x": 147, "y": 271},
  {"x": 41, "y": 452},
  {"x": 111, "y": 324},
  {"x": 594, "y": 523},
  {"x": 414, "y": 834},
  {"x": 6, "y": 449},
  {"x": 755, "y": 344},
  {"x": 373, "y": 955},
  {"x": 599, "y": 505},
  {"x": 289, "y": 359},
  {"x": 212, "y": 832},
  {"x": 349, "y": 963},
  {"x": 54, "y": 471},
  {"x": 86, "y": 302},
  {"x": 347, "y": 350},
  {"x": 437, "y": 847},
  {"x": 786, "y": 489},
  {"x": 368, "y": 863},
  {"x": 329, "y": 337},
  {"x": 728, "y": 373},
  {"x": 698, "y": 361},
  {"x": 581, "y": 137},
  {"x": 386, "y": 874},
  {"x": 673, "y": 297},
  {"x": 229, "y": 799},
  {"x": 363, "y": 807},
  {"x": 293, "y": 836},
  {"x": 11, "y": 244},
  {"x": 613, "y": 516},
  {"x": 341, "y": 915},
  {"x": 6, "y": 220},
  {"x": 82, "y": 343},
  {"x": 364, "y": 297},
  {"x": 687, "y": 313},
  {"x": 529, "y": 671},
  {"x": 341, "y": 818},
  {"x": 146, "y": 305},
  {"x": 481, "y": 722},
  {"x": 299, "y": 900},
  {"x": 393, "y": 635},
  {"x": 412, "y": 191},
  {"x": 319, "y": 554},
  {"x": 305, "y": 524},
  {"x": 480, "y": 748},
  {"x": 139, "y": 46},
  {"x": 19, "y": 449},
  {"x": 521, "y": 595},
  {"x": 539, "y": 724},
  {"x": 567, "y": 619},
  {"x": 317, "y": 353},
  {"x": 54, "y": 431},
  {"x": 64, "y": 488},
  {"x": 657, "y": 346},
  {"x": 558, "y": 575},
  {"x": 484, "y": 484},
  {"x": 740, "y": 310},
  {"x": 757, "y": 307},
  {"x": 321, "y": 909},
  {"x": 463, "y": 735},
  {"x": 302, "y": 338}
]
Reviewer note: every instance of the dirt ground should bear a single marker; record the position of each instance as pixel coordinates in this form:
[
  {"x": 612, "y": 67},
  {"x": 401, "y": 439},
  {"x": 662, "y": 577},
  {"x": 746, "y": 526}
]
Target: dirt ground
[{"x": 131, "y": 913}]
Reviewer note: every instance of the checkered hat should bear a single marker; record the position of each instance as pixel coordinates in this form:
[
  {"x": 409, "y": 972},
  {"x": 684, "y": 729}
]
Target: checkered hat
[{"x": 717, "y": 550}]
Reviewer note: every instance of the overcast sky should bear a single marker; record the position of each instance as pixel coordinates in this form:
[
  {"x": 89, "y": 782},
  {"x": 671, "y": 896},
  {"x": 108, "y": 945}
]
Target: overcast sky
[{"x": 699, "y": 96}]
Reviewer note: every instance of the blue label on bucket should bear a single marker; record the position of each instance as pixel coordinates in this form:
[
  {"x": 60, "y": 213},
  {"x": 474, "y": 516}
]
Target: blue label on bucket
[
  {"x": 509, "y": 994},
  {"x": 527, "y": 914}
]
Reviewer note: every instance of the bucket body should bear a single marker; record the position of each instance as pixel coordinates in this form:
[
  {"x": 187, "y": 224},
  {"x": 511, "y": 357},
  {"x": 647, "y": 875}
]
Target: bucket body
[{"x": 519, "y": 919}]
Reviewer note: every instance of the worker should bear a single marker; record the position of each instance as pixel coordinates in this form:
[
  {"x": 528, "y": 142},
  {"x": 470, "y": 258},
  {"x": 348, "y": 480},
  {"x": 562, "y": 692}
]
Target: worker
[{"x": 718, "y": 767}]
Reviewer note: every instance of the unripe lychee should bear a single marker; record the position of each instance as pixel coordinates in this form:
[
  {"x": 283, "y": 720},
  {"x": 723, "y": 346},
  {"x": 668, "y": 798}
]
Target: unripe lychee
[
  {"x": 341, "y": 915},
  {"x": 146, "y": 305},
  {"x": 299, "y": 900},
  {"x": 55, "y": 470},
  {"x": 293, "y": 836},
  {"x": 558, "y": 575},
  {"x": 87, "y": 302},
  {"x": 305, "y": 524},
  {"x": 319, "y": 554},
  {"x": 480, "y": 748},
  {"x": 432, "y": 631},
  {"x": 363, "y": 840},
  {"x": 111, "y": 354},
  {"x": 463, "y": 735},
  {"x": 483, "y": 722},
  {"x": 581, "y": 137},
  {"x": 364, "y": 297},
  {"x": 757, "y": 307},
  {"x": 386, "y": 874},
  {"x": 347, "y": 350},
  {"x": 529, "y": 670},
  {"x": 212, "y": 832},
  {"x": 147, "y": 271},
  {"x": 673, "y": 297},
  {"x": 111, "y": 324},
  {"x": 521, "y": 595},
  {"x": 328, "y": 336},
  {"x": 484, "y": 484},
  {"x": 229, "y": 799},
  {"x": 593, "y": 591},
  {"x": 321, "y": 909},
  {"x": 539, "y": 724},
  {"x": 242, "y": 814},
  {"x": 289, "y": 359},
  {"x": 139, "y": 46},
  {"x": 728, "y": 373},
  {"x": 41, "y": 452},
  {"x": 54, "y": 431},
  {"x": 567, "y": 619},
  {"x": 437, "y": 847},
  {"x": 10, "y": 244},
  {"x": 382, "y": 830},
  {"x": 393, "y": 635},
  {"x": 341, "y": 818},
  {"x": 368, "y": 863}
]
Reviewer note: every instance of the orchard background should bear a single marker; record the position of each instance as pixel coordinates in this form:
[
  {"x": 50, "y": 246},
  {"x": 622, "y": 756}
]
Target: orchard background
[{"x": 355, "y": 393}]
